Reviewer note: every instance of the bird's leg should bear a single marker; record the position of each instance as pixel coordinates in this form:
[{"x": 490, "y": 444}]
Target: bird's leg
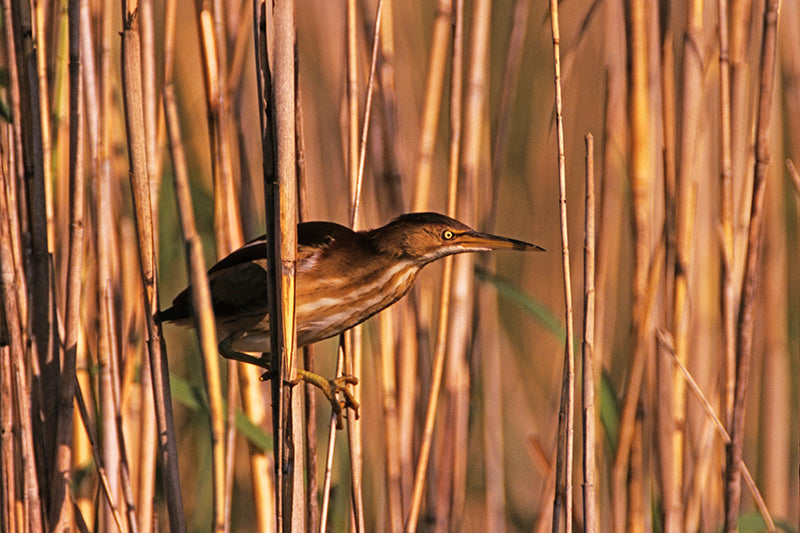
[
  {"x": 226, "y": 350},
  {"x": 329, "y": 388}
]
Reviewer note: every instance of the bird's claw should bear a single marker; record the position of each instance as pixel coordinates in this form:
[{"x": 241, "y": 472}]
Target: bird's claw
[{"x": 329, "y": 388}]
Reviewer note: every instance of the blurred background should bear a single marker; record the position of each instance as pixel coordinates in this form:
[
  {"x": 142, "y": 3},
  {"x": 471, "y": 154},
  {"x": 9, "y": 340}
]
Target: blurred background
[{"x": 673, "y": 178}]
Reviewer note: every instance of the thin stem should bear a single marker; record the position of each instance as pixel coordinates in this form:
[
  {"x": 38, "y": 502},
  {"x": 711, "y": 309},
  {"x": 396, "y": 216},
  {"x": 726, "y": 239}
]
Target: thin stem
[
  {"x": 744, "y": 327},
  {"x": 567, "y": 409},
  {"x": 61, "y": 506},
  {"x": 590, "y": 522},
  {"x": 456, "y": 91}
]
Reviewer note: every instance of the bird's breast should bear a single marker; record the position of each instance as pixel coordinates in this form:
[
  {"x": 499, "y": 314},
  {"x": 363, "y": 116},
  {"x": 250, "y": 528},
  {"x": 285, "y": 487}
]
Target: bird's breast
[{"x": 329, "y": 305}]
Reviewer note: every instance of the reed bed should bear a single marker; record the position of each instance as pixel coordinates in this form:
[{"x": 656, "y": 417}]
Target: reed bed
[{"x": 141, "y": 141}]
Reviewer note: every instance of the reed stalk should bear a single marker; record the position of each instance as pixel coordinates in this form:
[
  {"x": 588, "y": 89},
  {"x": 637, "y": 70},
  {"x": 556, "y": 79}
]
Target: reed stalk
[
  {"x": 456, "y": 92},
  {"x": 588, "y": 368},
  {"x": 745, "y": 319},
  {"x": 566, "y": 414}
]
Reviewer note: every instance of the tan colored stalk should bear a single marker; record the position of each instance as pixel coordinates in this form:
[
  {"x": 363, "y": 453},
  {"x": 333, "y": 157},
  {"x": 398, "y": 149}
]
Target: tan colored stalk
[
  {"x": 32, "y": 508},
  {"x": 744, "y": 328},
  {"x": 127, "y": 489},
  {"x": 640, "y": 170},
  {"x": 283, "y": 220},
  {"x": 690, "y": 116},
  {"x": 227, "y": 222},
  {"x": 227, "y": 219},
  {"x": 389, "y": 153},
  {"x": 590, "y": 522},
  {"x": 566, "y": 415},
  {"x": 634, "y": 520},
  {"x": 111, "y": 456},
  {"x": 391, "y": 443},
  {"x": 613, "y": 192},
  {"x": 456, "y": 92},
  {"x": 668, "y": 481},
  {"x": 150, "y": 100},
  {"x": 147, "y": 426},
  {"x": 362, "y": 146},
  {"x": 728, "y": 293},
  {"x": 773, "y": 375},
  {"x": 352, "y": 352},
  {"x": 490, "y": 360},
  {"x": 386, "y": 177},
  {"x": 434, "y": 82},
  {"x": 328, "y": 476},
  {"x": 204, "y": 315},
  {"x": 8, "y": 490},
  {"x": 353, "y": 364},
  {"x": 451, "y": 462},
  {"x": 137, "y": 156},
  {"x": 61, "y": 511}
]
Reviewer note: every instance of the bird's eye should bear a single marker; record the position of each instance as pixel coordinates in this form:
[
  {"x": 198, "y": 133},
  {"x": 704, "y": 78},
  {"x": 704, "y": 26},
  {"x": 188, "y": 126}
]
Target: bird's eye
[{"x": 447, "y": 234}]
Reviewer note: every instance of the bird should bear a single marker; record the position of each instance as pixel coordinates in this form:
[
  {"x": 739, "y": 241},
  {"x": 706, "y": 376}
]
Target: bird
[{"x": 343, "y": 277}]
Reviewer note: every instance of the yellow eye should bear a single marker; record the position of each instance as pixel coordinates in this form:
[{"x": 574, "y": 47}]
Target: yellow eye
[{"x": 447, "y": 234}]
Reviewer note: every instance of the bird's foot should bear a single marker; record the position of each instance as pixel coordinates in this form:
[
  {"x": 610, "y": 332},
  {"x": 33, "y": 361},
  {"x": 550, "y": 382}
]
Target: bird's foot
[{"x": 329, "y": 388}]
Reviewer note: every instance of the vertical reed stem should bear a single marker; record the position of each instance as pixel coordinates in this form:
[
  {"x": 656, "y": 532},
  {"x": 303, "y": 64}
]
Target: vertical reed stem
[{"x": 566, "y": 414}]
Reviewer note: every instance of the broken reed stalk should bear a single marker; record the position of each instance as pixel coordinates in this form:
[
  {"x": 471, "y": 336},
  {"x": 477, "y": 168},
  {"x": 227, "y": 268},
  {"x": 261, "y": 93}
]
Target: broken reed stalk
[
  {"x": 744, "y": 327},
  {"x": 140, "y": 186},
  {"x": 588, "y": 368},
  {"x": 61, "y": 510},
  {"x": 566, "y": 415},
  {"x": 456, "y": 92},
  {"x": 665, "y": 341},
  {"x": 203, "y": 313}
]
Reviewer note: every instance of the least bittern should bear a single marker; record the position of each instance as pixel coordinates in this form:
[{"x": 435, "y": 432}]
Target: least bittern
[{"x": 342, "y": 278}]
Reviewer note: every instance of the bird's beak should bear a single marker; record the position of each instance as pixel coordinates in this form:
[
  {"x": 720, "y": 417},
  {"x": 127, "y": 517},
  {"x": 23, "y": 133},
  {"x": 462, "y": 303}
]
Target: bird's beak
[{"x": 484, "y": 241}]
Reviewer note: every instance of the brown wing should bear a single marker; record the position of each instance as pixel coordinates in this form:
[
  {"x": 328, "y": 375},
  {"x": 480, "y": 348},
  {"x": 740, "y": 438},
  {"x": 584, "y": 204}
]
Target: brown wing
[{"x": 238, "y": 281}]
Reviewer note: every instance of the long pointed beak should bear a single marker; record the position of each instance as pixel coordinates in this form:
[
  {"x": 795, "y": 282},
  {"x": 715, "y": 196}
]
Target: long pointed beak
[{"x": 484, "y": 241}]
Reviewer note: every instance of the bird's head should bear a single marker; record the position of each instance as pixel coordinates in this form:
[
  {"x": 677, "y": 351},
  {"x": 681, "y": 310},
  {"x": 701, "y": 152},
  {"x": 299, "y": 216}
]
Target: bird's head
[{"x": 426, "y": 237}]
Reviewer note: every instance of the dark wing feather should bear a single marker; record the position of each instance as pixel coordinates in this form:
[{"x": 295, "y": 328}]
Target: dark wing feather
[{"x": 238, "y": 281}]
